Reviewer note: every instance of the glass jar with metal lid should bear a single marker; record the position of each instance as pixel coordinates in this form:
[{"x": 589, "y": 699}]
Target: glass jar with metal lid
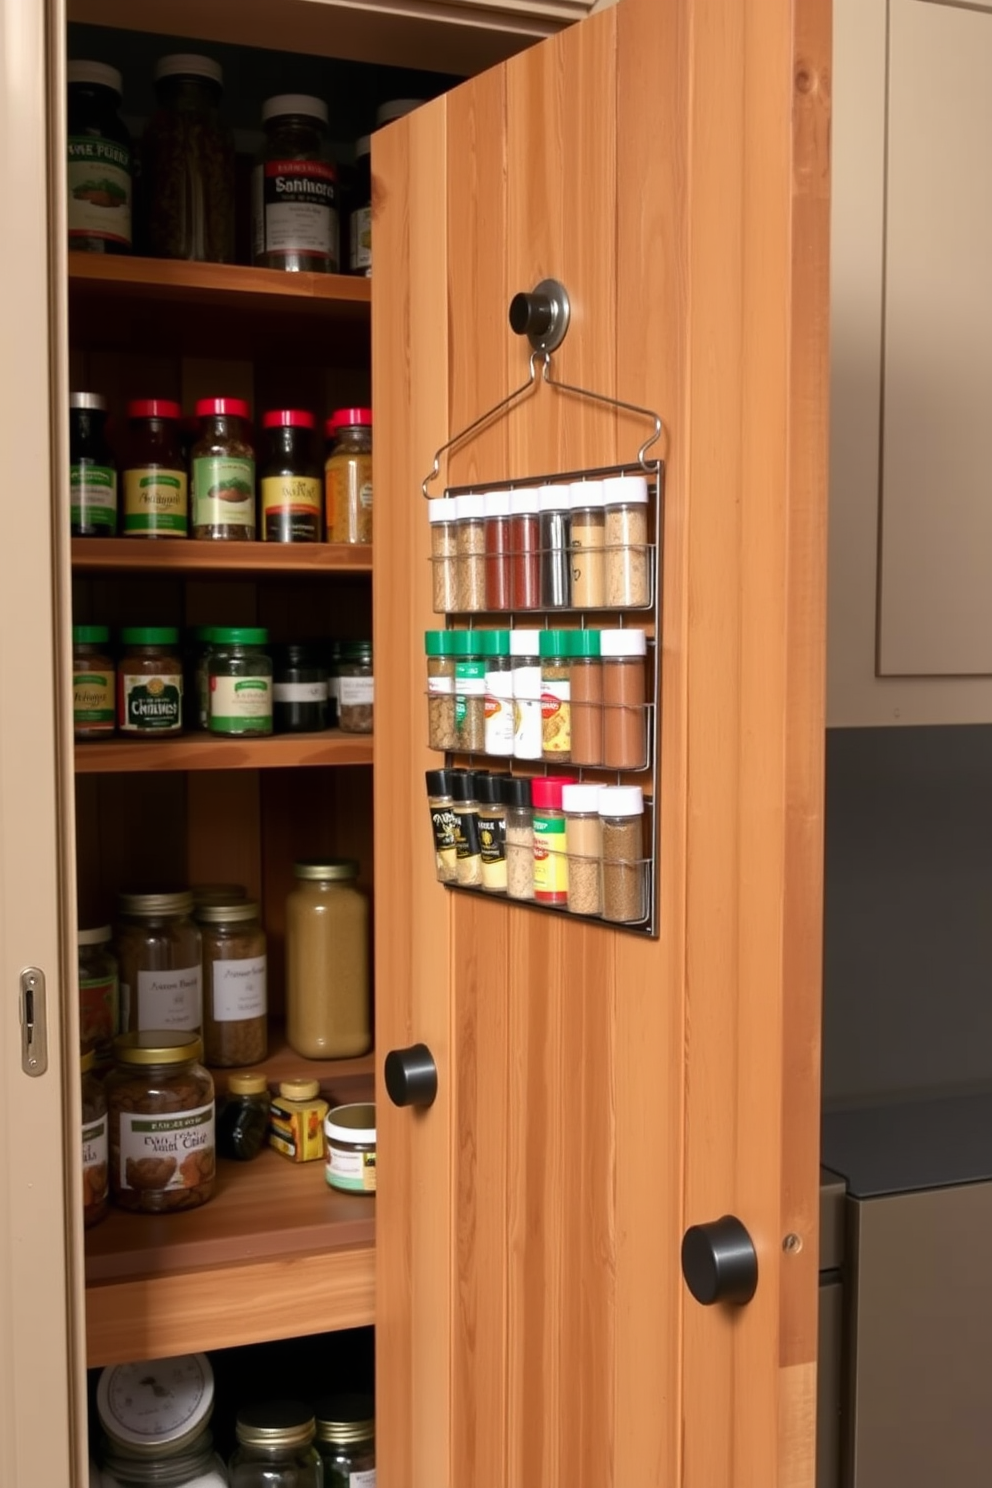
[
  {"x": 92, "y": 468},
  {"x": 94, "y": 1143},
  {"x": 154, "y": 1415},
  {"x": 346, "y": 1440},
  {"x": 300, "y": 692},
  {"x": 328, "y": 1002},
  {"x": 159, "y": 954},
  {"x": 99, "y": 991},
  {"x": 356, "y": 688},
  {"x": 275, "y": 1447},
  {"x": 160, "y": 1105},
  {"x": 243, "y": 1116},
  {"x": 239, "y": 675},
  {"x": 223, "y": 468},
  {"x": 235, "y": 1022}
]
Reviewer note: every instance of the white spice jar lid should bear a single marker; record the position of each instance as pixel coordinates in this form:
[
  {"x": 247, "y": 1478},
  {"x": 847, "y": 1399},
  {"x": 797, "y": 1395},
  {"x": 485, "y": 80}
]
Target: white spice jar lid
[
  {"x": 623, "y": 643},
  {"x": 626, "y": 490},
  {"x": 587, "y": 493},
  {"x": 621, "y": 800},
  {"x": 525, "y": 501},
  {"x": 497, "y": 503},
  {"x": 441, "y": 509},
  {"x": 525, "y": 642},
  {"x": 581, "y": 797},
  {"x": 555, "y": 498},
  {"x": 470, "y": 507}
]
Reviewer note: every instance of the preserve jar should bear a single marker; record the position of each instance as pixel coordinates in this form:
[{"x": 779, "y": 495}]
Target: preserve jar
[
  {"x": 223, "y": 467},
  {"x": 346, "y": 1440},
  {"x": 294, "y": 189},
  {"x": 94, "y": 682},
  {"x": 275, "y": 1447},
  {"x": 99, "y": 166},
  {"x": 555, "y": 647},
  {"x": 356, "y": 688},
  {"x": 92, "y": 468},
  {"x": 586, "y": 697},
  {"x": 299, "y": 691},
  {"x": 243, "y": 1116},
  {"x": 348, "y": 476},
  {"x": 94, "y": 1138},
  {"x": 160, "y": 1103},
  {"x": 156, "y": 500},
  {"x": 289, "y": 478},
  {"x": 159, "y": 955},
  {"x": 187, "y": 164},
  {"x": 235, "y": 1021},
  {"x": 99, "y": 991},
  {"x": 150, "y": 683},
  {"x": 328, "y": 1004},
  {"x": 153, "y": 1412},
  {"x": 239, "y": 675}
]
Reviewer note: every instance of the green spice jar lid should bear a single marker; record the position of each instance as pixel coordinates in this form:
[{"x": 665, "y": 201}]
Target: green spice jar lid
[
  {"x": 91, "y": 634},
  {"x": 356, "y": 651},
  {"x": 277, "y": 1423},
  {"x": 439, "y": 642},
  {"x": 326, "y": 868},
  {"x": 465, "y": 643},
  {"x": 218, "y": 914},
  {"x": 157, "y": 1046},
  {"x": 240, "y": 635},
  {"x": 554, "y": 643},
  {"x": 344, "y": 1419},
  {"x": 149, "y": 635},
  {"x": 584, "y": 642},
  {"x": 494, "y": 642}
]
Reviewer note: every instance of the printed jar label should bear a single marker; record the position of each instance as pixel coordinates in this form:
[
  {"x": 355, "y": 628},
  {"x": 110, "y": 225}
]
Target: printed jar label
[
  {"x": 467, "y": 834},
  {"x": 223, "y": 492},
  {"x": 239, "y": 989},
  {"x": 556, "y": 718},
  {"x": 155, "y": 501},
  {"x": 351, "y": 1170},
  {"x": 360, "y": 257},
  {"x": 445, "y": 824},
  {"x": 170, "y": 999},
  {"x": 235, "y": 701},
  {"x": 99, "y": 181},
  {"x": 365, "y": 495},
  {"x": 445, "y": 685},
  {"x": 492, "y": 839},
  {"x": 291, "y": 508},
  {"x": 300, "y": 692},
  {"x": 160, "y": 1152},
  {"x": 364, "y": 1479},
  {"x": 295, "y": 208},
  {"x": 95, "y": 1178},
  {"x": 93, "y": 701},
  {"x": 355, "y": 692},
  {"x": 99, "y": 999},
  {"x": 500, "y": 719},
  {"x": 550, "y": 862},
  {"x": 150, "y": 705},
  {"x": 93, "y": 496}
]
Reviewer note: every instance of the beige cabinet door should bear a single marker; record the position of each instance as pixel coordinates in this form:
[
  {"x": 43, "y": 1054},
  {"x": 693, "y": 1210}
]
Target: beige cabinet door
[{"x": 598, "y": 1093}]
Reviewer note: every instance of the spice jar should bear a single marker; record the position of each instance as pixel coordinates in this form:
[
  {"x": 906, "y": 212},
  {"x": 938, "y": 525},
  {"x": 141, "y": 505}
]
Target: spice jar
[
  {"x": 187, "y": 164},
  {"x": 346, "y": 1441},
  {"x": 360, "y": 216},
  {"x": 443, "y": 824},
  {"x": 356, "y": 688},
  {"x": 223, "y": 465},
  {"x": 299, "y": 691},
  {"x": 587, "y": 500},
  {"x": 94, "y": 1138},
  {"x": 333, "y": 654},
  {"x": 468, "y": 849},
  {"x": 99, "y": 991},
  {"x": 328, "y": 1006},
  {"x": 439, "y": 646},
  {"x": 350, "y": 1137},
  {"x": 275, "y": 1447},
  {"x": 444, "y": 551},
  {"x": 239, "y": 675},
  {"x": 160, "y": 1103},
  {"x": 289, "y": 478},
  {"x": 243, "y": 1116},
  {"x": 94, "y": 683},
  {"x": 492, "y": 832},
  {"x": 99, "y": 169},
  {"x": 621, "y": 808},
  {"x": 519, "y": 837},
  {"x": 584, "y": 847},
  {"x": 550, "y": 861},
  {"x": 625, "y": 745},
  {"x": 470, "y": 692},
  {"x": 198, "y": 709},
  {"x": 586, "y": 697},
  {"x": 470, "y": 546},
  {"x": 92, "y": 469},
  {"x": 525, "y": 549},
  {"x": 556, "y": 522},
  {"x": 556, "y": 709},
  {"x": 627, "y": 577},
  {"x": 498, "y": 728},
  {"x": 348, "y": 476},
  {"x": 150, "y": 683},
  {"x": 294, "y": 189},
  {"x": 527, "y": 722},
  {"x": 295, "y": 1120},
  {"x": 497, "y": 517},
  {"x": 153, "y": 1413},
  {"x": 159, "y": 954},
  {"x": 235, "y": 1024},
  {"x": 154, "y": 471}
]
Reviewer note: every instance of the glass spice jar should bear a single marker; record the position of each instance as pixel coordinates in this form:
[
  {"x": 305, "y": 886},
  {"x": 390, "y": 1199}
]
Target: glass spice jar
[
  {"x": 92, "y": 468},
  {"x": 348, "y": 476},
  {"x": 300, "y": 694},
  {"x": 156, "y": 500},
  {"x": 550, "y": 859},
  {"x": 94, "y": 1144},
  {"x": 525, "y": 549},
  {"x": 295, "y": 222},
  {"x": 99, "y": 991},
  {"x": 439, "y": 646},
  {"x": 243, "y": 1116},
  {"x": 587, "y": 535},
  {"x": 556, "y": 571},
  {"x": 625, "y": 880},
  {"x": 443, "y": 824},
  {"x": 556, "y": 708},
  {"x": 624, "y": 671},
  {"x": 187, "y": 164},
  {"x": 160, "y": 1104},
  {"x": 519, "y": 837},
  {"x": 275, "y": 1447},
  {"x": 470, "y": 547},
  {"x": 498, "y": 706},
  {"x": 497, "y": 517},
  {"x": 586, "y": 697},
  {"x": 235, "y": 1021},
  {"x": 94, "y": 683},
  {"x": 289, "y": 478},
  {"x": 356, "y": 688},
  {"x": 198, "y": 705},
  {"x": 159, "y": 953},
  {"x": 470, "y": 692},
  {"x": 223, "y": 463},
  {"x": 584, "y": 847},
  {"x": 628, "y": 583},
  {"x": 346, "y": 1440},
  {"x": 527, "y": 722},
  {"x": 239, "y": 676},
  {"x": 444, "y": 550},
  {"x": 99, "y": 164},
  {"x": 150, "y": 683},
  {"x": 328, "y": 994},
  {"x": 468, "y": 848},
  {"x": 492, "y": 832}
]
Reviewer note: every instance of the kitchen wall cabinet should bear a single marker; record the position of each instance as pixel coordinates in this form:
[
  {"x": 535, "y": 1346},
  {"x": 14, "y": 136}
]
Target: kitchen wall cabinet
[{"x": 910, "y": 637}]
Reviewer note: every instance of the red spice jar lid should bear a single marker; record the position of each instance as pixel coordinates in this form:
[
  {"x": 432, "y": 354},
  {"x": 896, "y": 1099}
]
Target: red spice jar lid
[
  {"x": 233, "y": 407},
  {"x": 546, "y": 790},
  {"x": 292, "y": 418},
  {"x": 154, "y": 408},
  {"x": 346, "y": 418}
]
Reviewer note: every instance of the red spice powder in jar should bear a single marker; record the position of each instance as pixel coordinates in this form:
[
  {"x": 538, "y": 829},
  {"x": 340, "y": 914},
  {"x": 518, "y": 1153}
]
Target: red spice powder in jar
[
  {"x": 525, "y": 549},
  {"x": 497, "y": 519}
]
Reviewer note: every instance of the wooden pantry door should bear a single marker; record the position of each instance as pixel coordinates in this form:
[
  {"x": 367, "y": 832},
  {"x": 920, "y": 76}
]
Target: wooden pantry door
[{"x": 598, "y": 1093}]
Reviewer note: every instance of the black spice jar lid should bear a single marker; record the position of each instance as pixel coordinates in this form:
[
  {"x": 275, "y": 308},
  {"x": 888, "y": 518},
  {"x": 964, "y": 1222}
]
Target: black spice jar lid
[
  {"x": 515, "y": 790},
  {"x": 488, "y": 789},
  {"x": 439, "y": 782},
  {"x": 298, "y": 654},
  {"x": 462, "y": 784}
]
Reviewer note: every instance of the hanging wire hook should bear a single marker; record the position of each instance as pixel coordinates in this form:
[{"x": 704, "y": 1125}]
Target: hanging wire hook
[
  {"x": 567, "y": 387},
  {"x": 480, "y": 423}
]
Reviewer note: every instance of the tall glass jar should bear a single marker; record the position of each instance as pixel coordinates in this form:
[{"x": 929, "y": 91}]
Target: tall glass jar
[
  {"x": 92, "y": 468},
  {"x": 235, "y": 1023},
  {"x": 348, "y": 476},
  {"x": 154, "y": 471},
  {"x": 223, "y": 462},
  {"x": 328, "y": 999},
  {"x": 289, "y": 485},
  {"x": 160, "y": 1105},
  {"x": 187, "y": 164},
  {"x": 294, "y": 189},
  {"x": 99, "y": 166},
  {"x": 158, "y": 952},
  {"x": 94, "y": 1149},
  {"x": 346, "y": 1440},
  {"x": 356, "y": 688},
  {"x": 275, "y": 1447}
]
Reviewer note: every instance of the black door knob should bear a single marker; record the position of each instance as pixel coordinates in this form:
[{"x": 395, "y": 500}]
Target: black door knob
[
  {"x": 411, "y": 1076},
  {"x": 719, "y": 1262},
  {"x": 531, "y": 314}
]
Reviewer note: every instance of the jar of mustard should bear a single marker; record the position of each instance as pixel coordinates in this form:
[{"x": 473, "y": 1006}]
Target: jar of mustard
[
  {"x": 348, "y": 476},
  {"x": 328, "y": 1001}
]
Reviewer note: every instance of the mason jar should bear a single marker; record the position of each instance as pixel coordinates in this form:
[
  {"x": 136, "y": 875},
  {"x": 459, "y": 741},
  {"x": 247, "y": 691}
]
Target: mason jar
[
  {"x": 328, "y": 1000},
  {"x": 275, "y": 1447}
]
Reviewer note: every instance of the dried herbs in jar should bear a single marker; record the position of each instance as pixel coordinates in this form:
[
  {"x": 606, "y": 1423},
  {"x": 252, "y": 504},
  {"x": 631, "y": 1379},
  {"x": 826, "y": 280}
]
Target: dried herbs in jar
[
  {"x": 187, "y": 159},
  {"x": 223, "y": 462},
  {"x": 160, "y": 1102}
]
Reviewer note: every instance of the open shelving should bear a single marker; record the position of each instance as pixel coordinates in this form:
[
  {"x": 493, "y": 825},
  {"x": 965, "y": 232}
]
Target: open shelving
[
  {"x": 201, "y": 752},
  {"x": 176, "y": 558}
]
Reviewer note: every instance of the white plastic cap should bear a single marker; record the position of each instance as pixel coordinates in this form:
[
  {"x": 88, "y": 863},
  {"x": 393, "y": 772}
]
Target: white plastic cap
[
  {"x": 497, "y": 503},
  {"x": 441, "y": 509},
  {"x": 100, "y": 936},
  {"x": 625, "y": 490},
  {"x": 188, "y": 64},
  {"x": 471, "y": 506},
  {"x": 587, "y": 493},
  {"x": 525, "y": 642},
  {"x": 395, "y": 109},
  {"x": 95, "y": 72},
  {"x": 525, "y": 501},
  {"x": 294, "y": 103},
  {"x": 555, "y": 498},
  {"x": 623, "y": 643},
  {"x": 581, "y": 797},
  {"x": 621, "y": 800}
]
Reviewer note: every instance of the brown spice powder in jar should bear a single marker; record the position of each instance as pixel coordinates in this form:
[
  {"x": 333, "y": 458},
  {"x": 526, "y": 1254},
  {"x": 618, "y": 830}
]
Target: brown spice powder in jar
[
  {"x": 440, "y": 651},
  {"x": 624, "y": 699},
  {"x": 160, "y": 1103},
  {"x": 470, "y": 566},
  {"x": 235, "y": 1022},
  {"x": 627, "y": 579},
  {"x": 444, "y": 551},
  {"x": 587, "y": 698},
  {"x": 584, "y": 847},
  {"x": 621, "y": 808}
]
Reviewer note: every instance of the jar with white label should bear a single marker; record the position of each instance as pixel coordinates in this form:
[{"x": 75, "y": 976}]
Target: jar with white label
[
  {"x": 346, "y": 1440},
  {"x": 94, "y": 1144},
  {"x": 154, "y": 1415},
  {"x": 350, "y": 1134},
  {"x": 235, "y": 1023},
  {"x": 158, "y": 951},
  {"x": 356, "y": 688},
  {"x": 295, "y": 189},
  {"x": 160, "y": 1108}
]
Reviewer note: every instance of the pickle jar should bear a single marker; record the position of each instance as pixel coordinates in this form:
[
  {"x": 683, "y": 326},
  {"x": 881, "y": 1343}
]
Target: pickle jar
[
  {"x": 223, "y": 468},
  {"x": 346, "y": 1439},
  {"x": 99, "y": 991},
  {"x": 94, "y": 682},
  {"x": 160, "y": 1106},
  {"x": 348, "y": 476},
  {"x": 94, "y": 1137},
  {"x": 159, "y": 952},
  {"x": 275, "y": 1447},
  {"x": 328, "y": 1001},
  {"x": 235, "y": 1023}
]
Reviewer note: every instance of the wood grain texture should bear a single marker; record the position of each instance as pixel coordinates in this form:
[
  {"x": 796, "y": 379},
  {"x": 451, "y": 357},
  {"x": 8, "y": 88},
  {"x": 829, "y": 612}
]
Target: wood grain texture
[
  {"x": 134, "y": 555},
  {"x": 202, "y": 752}
]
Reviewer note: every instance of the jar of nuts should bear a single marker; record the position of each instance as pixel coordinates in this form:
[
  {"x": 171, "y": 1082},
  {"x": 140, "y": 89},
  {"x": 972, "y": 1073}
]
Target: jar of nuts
[{"x": 160, "y": 1103}]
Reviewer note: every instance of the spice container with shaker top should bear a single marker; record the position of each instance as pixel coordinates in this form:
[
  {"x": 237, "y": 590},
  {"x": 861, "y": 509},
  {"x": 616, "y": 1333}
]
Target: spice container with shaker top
[
  {"x": 444, "y": 825},
  {"x": 294, "y": 189},
  {"x": 550, "y": 861},
  {"x": 497, "y": 519},
  {"x": 468, "y": 849},
  {"x": 628, "y": 582},
  {"x": 498, "y": 726},
  {"x": 624, "y": 672},
  {"x": 492, "y": 832},
  {"x": 519, "y": 837},
  {"x": 356, "y": 688},
  {"x": 275, "y": 1447},
  {"x": 223, "y": 466},
  {"x": 527, "y": 719},
  {"x": 94, "y": 683},
  {"x": 99, "y": 991},
  {"x": 92, "y": 468},
  {"x": 153, "y": 471},
  {"x": 470, "y": 544},
  {"x": 625, "y": 878},
  {"x": 439, "y": 646},
  {"x": 94, "y": 1144},
  {"x": 348, "y": 476},
  {"x": 328, "y": 995},
  {"x": 556, "y": 571},
  {"x": 586, "y": 695},
  {"x": 584, "y": 847},
  {"x": 525, "y": 549},
  {"x": 187, "y": 164},
  {"x": 556, "y": 694},
  {"x": 441, "y": 514},
  {"x": 289, "y": 480},
  {"x": 470, "y": 692}
]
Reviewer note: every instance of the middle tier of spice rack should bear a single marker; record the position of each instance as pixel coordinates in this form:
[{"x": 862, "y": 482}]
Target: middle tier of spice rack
[
  {"x": 201, "y": 752},
  {"x": 122, "y": 555}
]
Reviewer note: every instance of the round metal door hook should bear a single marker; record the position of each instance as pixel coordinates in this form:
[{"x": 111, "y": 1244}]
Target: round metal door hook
[
  {"x": 719, "y": 1262},
  {"x": 411, "y": 1076},
  {"x": 543, "y": 315}
]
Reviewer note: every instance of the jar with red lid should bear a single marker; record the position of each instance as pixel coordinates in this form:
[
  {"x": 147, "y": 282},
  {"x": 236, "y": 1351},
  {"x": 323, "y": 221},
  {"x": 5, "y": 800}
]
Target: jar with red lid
[
  {"x": 289, "y": 478},
  {"x": 223, "y": 462},
  {"x": 550, "y": 858},
  {"x": 154, "y": 472},
  {"x": 348, "y": 476}
]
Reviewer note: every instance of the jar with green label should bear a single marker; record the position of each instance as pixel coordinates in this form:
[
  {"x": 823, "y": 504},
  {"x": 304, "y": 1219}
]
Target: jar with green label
[
  {"x": 156, "y": 502},
  {"x": 150, "y": 683},
  {"x": 99, "y": 991},
  {"x": 92, "y": 469},
  {"x": 239, "y": 672},
  {"x": 223, "y": 472},
  {"x": 99, "y": 163},
  {"x": 93, "y": 679}
]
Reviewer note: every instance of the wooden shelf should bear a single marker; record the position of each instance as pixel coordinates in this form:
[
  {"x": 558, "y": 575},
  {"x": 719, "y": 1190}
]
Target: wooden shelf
[
  {"x": 341, "y": 1080},
  {"x": 138, "y": 555},
  {"x": 201, "y": 752},
  {"x": 333, "y": 296}
]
